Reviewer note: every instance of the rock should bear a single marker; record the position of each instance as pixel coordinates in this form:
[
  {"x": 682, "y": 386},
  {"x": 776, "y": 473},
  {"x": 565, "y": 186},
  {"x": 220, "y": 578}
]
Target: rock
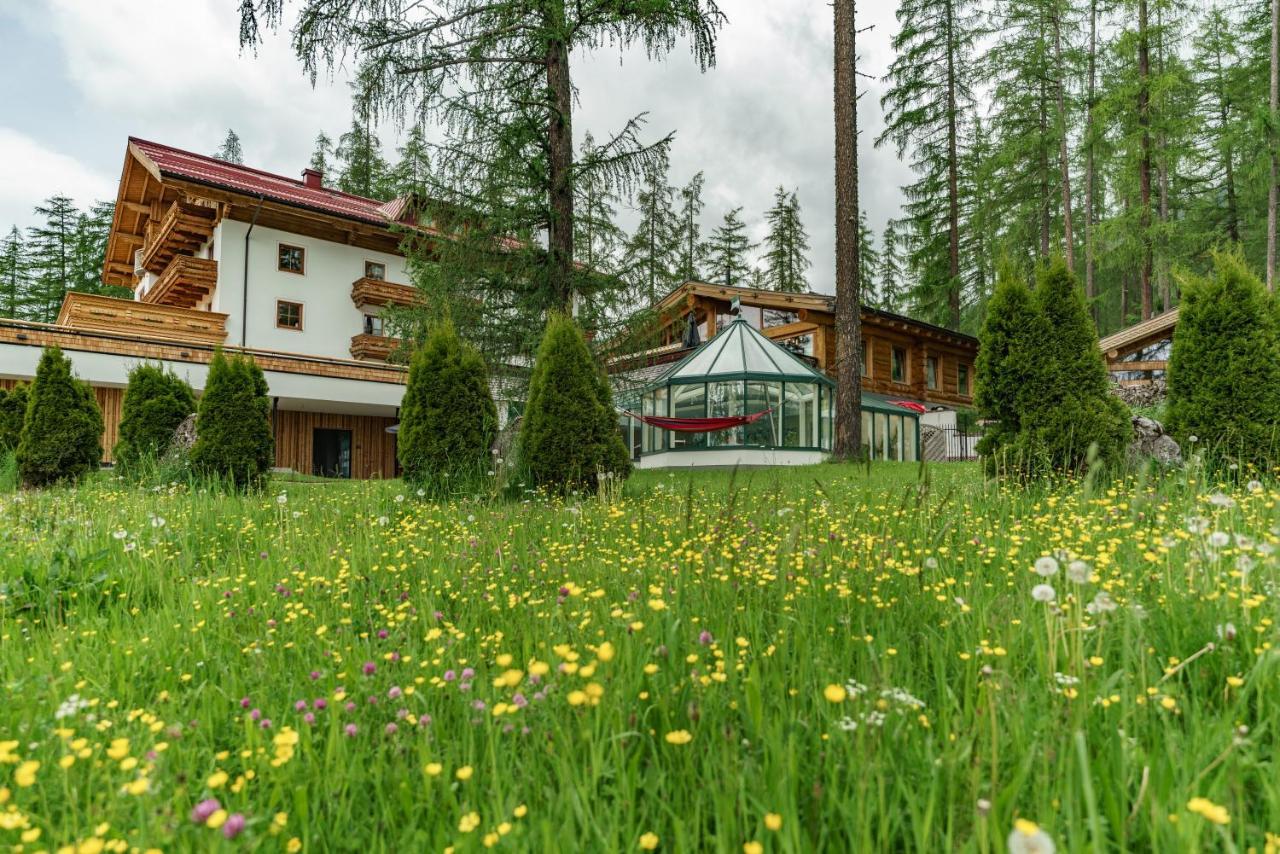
[
  {"x": 1151, "y": 442},
  {"x": 184, "y": 437}
]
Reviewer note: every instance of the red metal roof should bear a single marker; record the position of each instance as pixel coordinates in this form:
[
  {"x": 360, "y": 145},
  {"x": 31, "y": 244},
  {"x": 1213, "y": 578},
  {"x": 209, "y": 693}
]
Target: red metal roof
[{"x": 243, "y": 179}]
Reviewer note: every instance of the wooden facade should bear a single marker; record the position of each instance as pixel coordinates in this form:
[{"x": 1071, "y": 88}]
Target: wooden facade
[
  {"x": 1123, "y": 350},
  {"x": 95, "y": 313},
  {"x": 373, "y": 449}
]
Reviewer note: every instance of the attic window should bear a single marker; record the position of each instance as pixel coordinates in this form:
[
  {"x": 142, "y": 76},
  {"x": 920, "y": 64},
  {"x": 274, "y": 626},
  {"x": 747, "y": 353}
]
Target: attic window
[{"x": 292, "y": 259}]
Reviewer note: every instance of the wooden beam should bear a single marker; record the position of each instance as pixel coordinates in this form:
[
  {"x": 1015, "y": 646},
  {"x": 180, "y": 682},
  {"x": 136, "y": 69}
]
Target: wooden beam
[{"x": 1155, "y": 365}]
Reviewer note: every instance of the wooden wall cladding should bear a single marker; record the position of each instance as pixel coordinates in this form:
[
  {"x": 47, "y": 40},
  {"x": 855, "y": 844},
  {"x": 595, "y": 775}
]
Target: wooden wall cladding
[{"x": 373, "y": 449}]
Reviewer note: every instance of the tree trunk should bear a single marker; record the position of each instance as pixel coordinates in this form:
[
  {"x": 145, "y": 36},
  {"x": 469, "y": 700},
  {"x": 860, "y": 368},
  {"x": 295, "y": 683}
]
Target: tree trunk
[
  {"x": 1228, "y": 156},
  {"x": 560, "y": 170},
  {"x": 848, "y": 427},
  {"x": 1046, "y": 213},
  {"x": 1144, "y": 162},
  {"x": 1162, "y": 174},
  {"x": 1090, "y": 286},
  {"x": 953, "y": 173},
  {"x": 1068, "y": 235},
  {"x": 1274, "y": 189}
]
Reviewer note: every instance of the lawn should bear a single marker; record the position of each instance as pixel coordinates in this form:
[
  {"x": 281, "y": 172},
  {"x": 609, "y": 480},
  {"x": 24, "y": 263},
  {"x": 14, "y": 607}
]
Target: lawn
[{"x": 826, "y": 658}]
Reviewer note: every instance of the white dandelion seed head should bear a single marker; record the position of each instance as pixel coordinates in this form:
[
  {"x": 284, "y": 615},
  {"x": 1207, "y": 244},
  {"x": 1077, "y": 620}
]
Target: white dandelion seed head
[
  {"x": 1046, "y": 566},
  {"x": 1044, "y": 593},
  {"x": 1079, "y": 572}
]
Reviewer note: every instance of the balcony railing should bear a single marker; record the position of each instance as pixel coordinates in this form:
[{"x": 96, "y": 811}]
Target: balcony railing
[
  {"x": 373, "y": 347},
  {"x": 95, "y": 313},
  {"x": 376, "y": 292},
  {"x": 186, "y": 282},
  {"x": 183, "y": 229}
]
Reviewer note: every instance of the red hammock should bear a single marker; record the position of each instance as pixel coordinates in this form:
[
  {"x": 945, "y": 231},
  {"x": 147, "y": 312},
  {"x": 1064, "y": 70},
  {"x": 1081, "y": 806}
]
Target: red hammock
[{"x": 700, "y": 425}]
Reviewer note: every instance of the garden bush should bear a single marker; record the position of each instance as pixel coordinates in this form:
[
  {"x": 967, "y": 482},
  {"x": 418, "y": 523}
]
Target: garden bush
[
  {"x": 155, "y": 402},
  {"x": 62, "y": 432},
  {"x": 1224, "y": 370},
  {"x": 234, "y": 440},
  {"x": 569, "y": 436},
  {"x": 448, "y": 419},
  {"x": 13, "y": 411}
]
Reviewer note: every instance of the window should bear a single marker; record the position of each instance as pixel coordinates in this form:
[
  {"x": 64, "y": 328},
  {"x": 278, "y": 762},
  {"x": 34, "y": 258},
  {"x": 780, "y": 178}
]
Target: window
[
  {"x": 962, "y": 379},
  {"x": 778, "y": 317},
  {"x": 375, "y": 270},
  {"x": 372, "y": 324},
  {"x": 866, "y": 358},
  {"x": 801, "y": 345},
  {"x": 289, "y": 315},
  {"x": 931, "y": 371},
  {"x": 292, "y": 259},
  {"x": 898, "y": 371}
]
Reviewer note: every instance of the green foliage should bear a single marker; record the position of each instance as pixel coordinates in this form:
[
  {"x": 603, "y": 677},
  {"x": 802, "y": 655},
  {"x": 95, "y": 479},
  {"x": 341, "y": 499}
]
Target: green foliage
[
  {"x": 728, "y": 246},
  {"x": 448, "y": 419},
  {"x": 570, "y": 434},
  {"x": 234, "y": 440},
  {"x": 13, "y": 411},
  {"x": 62, "y": 432},
  {"x": 787, "y": 244},
  {"x": 155, "y": 403},
  {"x": 1008, "y": 375},
  {"x": 1224, "y": 371}
]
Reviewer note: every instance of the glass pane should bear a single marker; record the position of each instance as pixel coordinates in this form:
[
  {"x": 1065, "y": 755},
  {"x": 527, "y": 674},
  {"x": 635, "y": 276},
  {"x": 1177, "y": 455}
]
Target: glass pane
[
  {"x": 800, "y": 417},
  {"x": 825, "y": 425},
  {"x": 646, "y": 432},
  {"x": 688, "y": 401},
  {"x": 931, "y": 372},
  {"x": 779, "y": 317},
  {"x": 882, "y": 436},
  {"x": 725, "y": 399},
  {"x": 866, "y": 434},
  {"x": 910, "y": 427},
  {"x": 660, "y": 408},
  {"x": 895, "y": 437},
  {"x": 899, "y": 373},
  {"x": 767, "y": 431}
]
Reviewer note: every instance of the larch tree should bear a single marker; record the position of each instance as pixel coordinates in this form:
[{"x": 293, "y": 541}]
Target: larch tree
[
  {"x": 650, "y": 255},
  {"x": 52, "y": 247},
  {"x": 89, "y": 248},
  {"x": 230, "y": 149},
  {"x": 362, "y": 170},
  {"x": 890, "y": 275},
  {"x": 1224, "y": 121},
  {"x": 848, "y": 319},
  {"x": 496, "y": 74},
  {"x": 868, "y": 258},
  {"x": 727, "y": 250},
  {"x": 322, "y": 157},
  {"x": 412, "y": 172},
  {"x": 598, "y": 239},
  {"x": 786, "y": 254},
  {"x": 1273, "y": 139},
  {"x": 689, "y": 254}
]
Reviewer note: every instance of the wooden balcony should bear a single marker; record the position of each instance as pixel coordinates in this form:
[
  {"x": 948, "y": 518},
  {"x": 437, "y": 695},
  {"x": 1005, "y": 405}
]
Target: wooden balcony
[
  {"x": 373, "y": 347},
  {"x": 94, "y": 313},
  {"x": 183, "y": 229},
  {"x": 376, "y": 292},
  {"x": 186, "y": 283}
]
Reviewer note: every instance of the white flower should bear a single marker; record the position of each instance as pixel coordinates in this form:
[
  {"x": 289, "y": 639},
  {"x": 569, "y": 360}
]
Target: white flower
[
  {"x": 1219, "y": 499},
  {"x": 399, "y": 499},
  {"x": 1226, "y": 631},
  {"x": 1254, "y": 486},
  {"x": 157, "y": 521},
  {"x": 1102, "y": 603},
  {"x": 421, "y": 492},
  {"x": 1043, "y": 593},
  {"x": 282, "y": 499},
  {"x": 382, "y": 521},
  {"x": 1047, "y": 566},
  {"x": 1219, "y": 539},
  {"x": 1079, "y": 572},
  {"x": 1028, "y": 838},
  {"x": 119, "y": 533}
]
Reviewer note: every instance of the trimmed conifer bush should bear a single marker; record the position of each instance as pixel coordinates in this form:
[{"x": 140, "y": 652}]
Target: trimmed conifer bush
[
  {"x": 570, "y": 434},
  {"x": 234, "y": 440},
  {"x": 448, "y": 419},
  {"x": 13, "y": 411},
  {"x": 1224, "y": 371},
  {"x": 62, "y": 431},
  {"x": 155, "y": 402}
]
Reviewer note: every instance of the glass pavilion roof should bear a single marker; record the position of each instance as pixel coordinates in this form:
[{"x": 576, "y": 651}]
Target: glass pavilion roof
[{"x": 740, "y": 351}]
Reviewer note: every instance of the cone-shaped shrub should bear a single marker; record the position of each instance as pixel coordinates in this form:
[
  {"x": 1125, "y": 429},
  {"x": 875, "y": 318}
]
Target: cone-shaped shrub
[
  {"x": 155, "y": 402},
  {"x": 448, "y": 419},
  {"x": 1224, "y": 371},
  {"x": 13, "y": 411},
  {"x": 570, "y": 432},
  {"x": 62, "y": 431},
  {"x": 233, "y": 423}
]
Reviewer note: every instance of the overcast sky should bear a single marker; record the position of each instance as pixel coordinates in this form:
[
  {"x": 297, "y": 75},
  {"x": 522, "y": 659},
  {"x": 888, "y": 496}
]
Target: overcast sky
[{"x": 79, "y": 76}]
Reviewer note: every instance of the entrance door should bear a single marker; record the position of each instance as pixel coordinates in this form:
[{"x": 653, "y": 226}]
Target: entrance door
[{"x": 331, "y": 453}]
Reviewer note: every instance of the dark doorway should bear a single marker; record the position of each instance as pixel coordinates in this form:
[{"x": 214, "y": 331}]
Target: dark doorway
[{"x": 331, "y": 453}]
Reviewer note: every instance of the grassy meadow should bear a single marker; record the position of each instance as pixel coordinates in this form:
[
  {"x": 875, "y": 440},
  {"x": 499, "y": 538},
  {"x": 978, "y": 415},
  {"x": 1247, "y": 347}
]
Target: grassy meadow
[{"x": 828, "y": 658}]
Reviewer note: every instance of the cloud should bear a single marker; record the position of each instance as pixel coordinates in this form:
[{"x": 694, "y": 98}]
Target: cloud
[{"x": 30, "y": 172}]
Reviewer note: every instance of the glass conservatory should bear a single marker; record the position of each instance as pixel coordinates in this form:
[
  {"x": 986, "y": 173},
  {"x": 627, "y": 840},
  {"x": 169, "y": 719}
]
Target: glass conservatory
[{"x": 741, "y": 399}]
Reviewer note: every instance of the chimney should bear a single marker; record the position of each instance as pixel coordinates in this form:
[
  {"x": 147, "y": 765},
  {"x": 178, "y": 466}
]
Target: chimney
[{"x": 312, "y": 178}]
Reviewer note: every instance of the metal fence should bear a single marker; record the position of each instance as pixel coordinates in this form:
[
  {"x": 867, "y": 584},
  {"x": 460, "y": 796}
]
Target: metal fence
[{"x": 949, "y": 444}]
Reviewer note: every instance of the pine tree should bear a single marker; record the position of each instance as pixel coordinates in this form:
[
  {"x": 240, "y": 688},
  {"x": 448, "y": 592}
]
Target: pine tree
[
  {"x": 1224, "y": 371},
  {"x": 412, "y": 172},
  {"x": 727, "y": 250},
  {"x": 155, "y": 402},
  {"x": 234, "y": 439},
  {"x": 62, "y": 431},
  {"x": 13, "y": 411},
  {"x": 598, "y": 238},
  {"x": 362, "y": 171},
  {"x": 52, "y": 248},
  {"x": 89, "y": 250},
  {"x": 650, "y": 255},
  {"x": 869, "y": 256},
  {"x": 448, "y": 419},
  {"x": 891, "y": 284},
  {"x": 690, "y": 254},
  {"x": 14, "y": 275},
  {"x": 786, "y": 245},
  {"x": 322, "y": 157},
  {"x": 1224, "y": 112},
  {"x": 570, "y": 433},
  {"x": 230, "y": 150}
]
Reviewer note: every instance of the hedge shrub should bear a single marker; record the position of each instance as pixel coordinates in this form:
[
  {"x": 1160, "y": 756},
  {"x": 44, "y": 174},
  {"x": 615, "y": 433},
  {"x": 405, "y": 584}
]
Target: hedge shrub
[
  {"x": 448, "y": 419},
  {"x": 156, "y": 401},
  {"x": 13, "y": 411},
  {"x": 234, "y": 439},
  {"x": 62, "y": 431},
  {"x": 569, "y": 435}
]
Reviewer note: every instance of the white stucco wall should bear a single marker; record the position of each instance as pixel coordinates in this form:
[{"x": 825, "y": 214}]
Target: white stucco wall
[{"x": 329, "y": 318}]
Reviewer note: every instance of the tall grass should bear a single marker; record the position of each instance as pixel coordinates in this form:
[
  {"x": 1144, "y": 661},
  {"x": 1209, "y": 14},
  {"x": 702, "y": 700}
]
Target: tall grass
[{"x": 851, "y": 655}]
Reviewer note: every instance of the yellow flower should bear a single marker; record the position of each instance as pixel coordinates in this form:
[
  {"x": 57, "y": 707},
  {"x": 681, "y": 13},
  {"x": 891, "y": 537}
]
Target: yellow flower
[
  {"x": 216, "y": 780},
  {"x": 216, "y": 820},
  {"x": 469, "y": 822},
  {"x": 119, "y": 748},
  {"x": 520, "y": 811},
  {"x": 433, "y": 769},
  {"x": 752, "y": 847},
  {"x": 1235, "y": 681},
  {"x": 649, "y": 841},
  {"x": 680, "y": 736},
  {"x": 136, "y": 787},
  {"x": 1209, "y": 810},
  {"x": 605, "y": 652},
  {"x": 576, "y": 698},
  {"x": 67, "y": 761},
  {"x": 25, "y": 774},
  {"x": 293, "y": 846},
  {"x": 31, "y": 835},
  {"x": 835, "y": 693},
  {"x": 773, "y": 821},
  {"x": 463, "y": 773}
]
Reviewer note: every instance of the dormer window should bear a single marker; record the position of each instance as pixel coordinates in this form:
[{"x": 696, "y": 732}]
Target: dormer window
[
  {"x": 375, "y": 270},
  {"x": 292, "y": 259}
]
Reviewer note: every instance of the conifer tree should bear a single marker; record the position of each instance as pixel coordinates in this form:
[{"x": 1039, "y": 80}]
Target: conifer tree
[
  {"x": 447, "y": 420},
  {"x": 230, "y": 149},
  {"x": 14, "y": 274},
  {"x": 869, "y": 266},
  {"x": 362, "y": 171},
  {"x": 690, "y": 254},
  {"x": 62, "y": 431},
  {"x": 52, "y": 253},
  {"x": 650, "y": 256},
  {"x": 234, "y": 439},
  {"x": 786, "y": 245},
  {"x": 727, "y": 250},
  {"x": 570, "y": 435},
  {"x": 155, "y": 402},
  {"x": 890, "y": 277},
  {"x": 412, "y": 172},
  {"x": 13, "y": 411},
  {"x": 322, "y": 157},
  {"x": 89, "y": 249},
  {"x": 598, "y": 238}
]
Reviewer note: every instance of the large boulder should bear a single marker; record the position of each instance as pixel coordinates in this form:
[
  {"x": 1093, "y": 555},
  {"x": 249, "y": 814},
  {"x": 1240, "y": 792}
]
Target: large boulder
[{"x": 1150, "y": 442}]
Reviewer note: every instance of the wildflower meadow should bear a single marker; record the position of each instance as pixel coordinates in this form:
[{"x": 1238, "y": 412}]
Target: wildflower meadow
[{"x": 830, "y": 658}]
